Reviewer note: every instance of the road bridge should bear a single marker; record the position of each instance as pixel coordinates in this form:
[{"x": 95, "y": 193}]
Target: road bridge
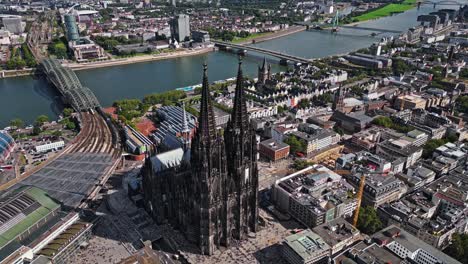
[
  {"x": 372, "y": 29},
  {"x": 65, "y": 80},
  {"x": 444, "y": 2},
  {"x": 283, "y": 56}
]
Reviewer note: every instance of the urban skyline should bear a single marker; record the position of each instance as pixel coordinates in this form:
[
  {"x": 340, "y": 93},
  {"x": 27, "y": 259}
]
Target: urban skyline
[{"x": 340, "y": 139}]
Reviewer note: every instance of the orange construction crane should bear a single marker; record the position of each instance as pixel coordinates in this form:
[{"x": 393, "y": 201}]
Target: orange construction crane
[{"x": 362, "y": 183}]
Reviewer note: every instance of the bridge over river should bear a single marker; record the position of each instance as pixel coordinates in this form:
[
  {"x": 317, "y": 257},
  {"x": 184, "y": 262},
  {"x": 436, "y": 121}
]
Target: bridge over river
[
  {"x": 75, "y": 175},
  {"x": 372, "y": 29},
  {"x": 283, "y": 56},
  {"x": 65, "y": 80}
]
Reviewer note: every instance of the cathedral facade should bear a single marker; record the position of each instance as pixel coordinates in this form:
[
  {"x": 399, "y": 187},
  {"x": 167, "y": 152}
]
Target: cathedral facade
[{"x": 208, "y": 190}]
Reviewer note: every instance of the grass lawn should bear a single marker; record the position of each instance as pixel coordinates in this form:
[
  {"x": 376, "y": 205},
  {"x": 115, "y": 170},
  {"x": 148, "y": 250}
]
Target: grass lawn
[
  {"x": 387, "y": 10},
  {"x": 252, "y": 36}
]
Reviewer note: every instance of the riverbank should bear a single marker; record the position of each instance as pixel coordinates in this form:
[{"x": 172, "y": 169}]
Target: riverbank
[
  {"x": 17, "y": 73},
  {"x": 137, "y": 59},
  {"x": 153, "y": 57},
  {"x": 272, "y": 35},
  {"x": 112, "y": 62},
  {"x": 385, "y": 11}
]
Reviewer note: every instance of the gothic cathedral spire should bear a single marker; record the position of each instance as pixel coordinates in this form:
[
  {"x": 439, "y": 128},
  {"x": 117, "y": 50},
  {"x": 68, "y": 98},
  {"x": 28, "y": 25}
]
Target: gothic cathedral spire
[
  {"x": 241, "y": 152},
  {"x": 239, "y": 117},
  {"x": 207, "y": 125}
]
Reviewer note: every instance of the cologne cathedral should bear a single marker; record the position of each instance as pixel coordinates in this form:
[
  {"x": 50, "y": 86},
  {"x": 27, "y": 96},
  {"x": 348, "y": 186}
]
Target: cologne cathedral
[{"x": 208, "y": 189}]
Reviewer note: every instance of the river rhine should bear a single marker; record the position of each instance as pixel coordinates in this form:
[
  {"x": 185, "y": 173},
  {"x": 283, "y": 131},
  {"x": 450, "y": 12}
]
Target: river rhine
[{"x": 26, "y": 98}]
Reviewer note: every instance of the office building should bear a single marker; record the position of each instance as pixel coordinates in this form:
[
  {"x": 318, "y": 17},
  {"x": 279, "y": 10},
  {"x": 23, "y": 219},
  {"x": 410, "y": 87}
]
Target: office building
[
  {"x": 314, "y": 196},
  {"x": 368, "y": 138},
  {"x": 352, "y": 122},
  {"x": 13, "y": 24},
  {"x": 433, "y": 213},
  {"x": 405, "y": 245},
  {"x": 363, "y": 61},
  {"x": 316, "y": 138},
  {"x": 201, "y": 36},
  {"x": 394, "y": 245},
  {"x": 67, "y": 243},
  {"x": 273, "y": 150},
  {"x": 50, "y": 146},
  {"x": 180, "y": 28},
  {"x": 379, "y": 188},
  {"x": 84, "y": 49},
  {"x": 71, "y": 27},
  {"x": 305, "y": 247},
  {"x": 394, "y": 149},
  {"x": 338, "y": 234},
  {"x": 409, "y": 101}
]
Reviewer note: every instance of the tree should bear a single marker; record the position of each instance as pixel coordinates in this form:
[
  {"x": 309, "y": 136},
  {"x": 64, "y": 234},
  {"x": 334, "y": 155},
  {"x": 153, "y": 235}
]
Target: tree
[
  {"x": 339, "y": 131},
  {"x": 70, "y": 125},
  {"x": 300, "y": 164},
  {"x": 161, "y": 37},
  {"x": 281, "y": 109},
  {"x": 432, "y": 144},
  {"x": 399, "y": 66},
  {"x": 36, "y": 130},
  {"x": 109, "y": 44},
  {"x": 368, "y": 220},
  {"x": 173, "y": 96},
  {"x": 57, "y": 133},
  {"x": 387, "y": 122},
  {"x": 384, "y": 121},
  {"x": 59, "y": 49},
  {"x": 325, "y": 98},
  {"x": 458, "y": 247},
  {"x": 11, "y": 64},
  {"x": 464, "y": 73},
  {"x": 18, "y": 123},
  {"x": 462, "y": 104},
  {"x": 295, "y": 144},
  {"x": 303, "y": 103},
  {"x": 20, "y": 64},
  {"x": 40, "y": 120},
  {"x": 67, "y": 112}
]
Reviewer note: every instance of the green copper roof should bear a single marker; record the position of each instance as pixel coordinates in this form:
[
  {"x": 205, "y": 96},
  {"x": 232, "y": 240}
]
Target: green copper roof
[{"x": 47, "y": 205}]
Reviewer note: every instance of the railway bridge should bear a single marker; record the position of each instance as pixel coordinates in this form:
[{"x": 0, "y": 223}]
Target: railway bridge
[
  {"x": 74, "y": 176},
  {"x": 81, "y": 98}
]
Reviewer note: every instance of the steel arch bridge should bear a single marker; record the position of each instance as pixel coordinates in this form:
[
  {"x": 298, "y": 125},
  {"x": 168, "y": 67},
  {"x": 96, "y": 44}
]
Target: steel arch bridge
[{"x": 81, "y": 98}]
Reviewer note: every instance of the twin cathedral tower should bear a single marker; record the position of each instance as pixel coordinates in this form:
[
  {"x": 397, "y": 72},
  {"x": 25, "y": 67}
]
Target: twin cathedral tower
[{"x": 208, "y": 191}]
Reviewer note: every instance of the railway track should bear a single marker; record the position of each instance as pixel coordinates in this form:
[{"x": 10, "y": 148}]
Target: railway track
[{"x": 95, "y": 136}]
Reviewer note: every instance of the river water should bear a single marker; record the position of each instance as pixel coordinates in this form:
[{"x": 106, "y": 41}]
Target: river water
[{"x": 26, "y": 97}]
